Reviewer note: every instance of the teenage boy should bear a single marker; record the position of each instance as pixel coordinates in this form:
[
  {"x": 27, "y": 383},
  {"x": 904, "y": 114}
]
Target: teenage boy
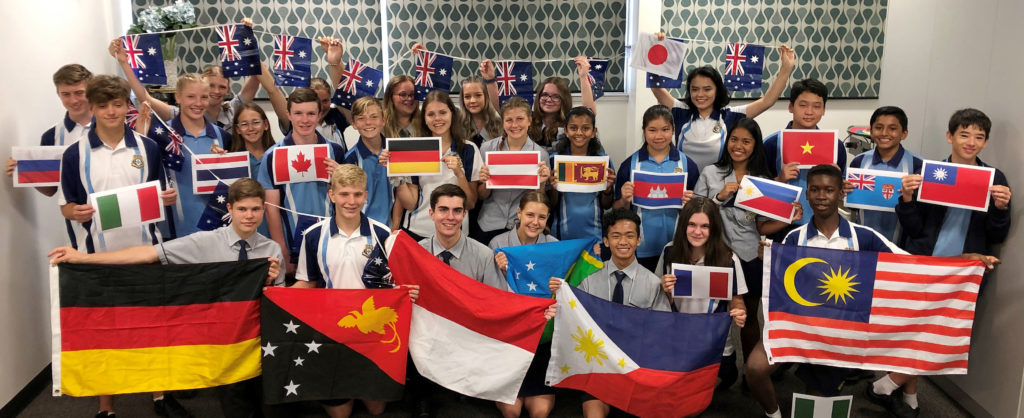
[
  {"x": 303, "y": 202},
  {"x": 807, "y": 99},
  {"x": 449, "y": 244},
  {"x": 237, "y": 241},
  {"x": 888, "y": 130},
  {"x": 368, "y": 119},
  {"x": 70, "y": 81}
]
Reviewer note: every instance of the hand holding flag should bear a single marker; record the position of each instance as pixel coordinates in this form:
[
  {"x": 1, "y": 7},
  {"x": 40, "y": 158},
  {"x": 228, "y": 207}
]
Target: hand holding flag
[
  {"x": 36, "y": 166},
  {"x": 956, "y": 185},
  {"x": 239, "y": 51},
  {"x": 143, "y": 55},
  {"x": 769, "y": 198},
  {"x": 809, "y": 147}
]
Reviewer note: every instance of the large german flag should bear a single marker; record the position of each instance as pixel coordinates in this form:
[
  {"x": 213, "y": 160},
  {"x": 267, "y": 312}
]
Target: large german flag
[
  {"x": 323, "y": 344},
  {"x": 127, "y": 329},
  {"x": 414, "y": 156}
]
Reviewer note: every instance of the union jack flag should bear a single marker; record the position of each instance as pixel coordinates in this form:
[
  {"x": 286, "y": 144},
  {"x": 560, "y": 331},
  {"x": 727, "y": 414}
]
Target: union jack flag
[
  {"x": 227, "y": 43},
  {"x": 358, "y": 80},
  {"x": 861, "y": 181},
  {"x": 239, "y": 51},
  {"x": 744, "y": 64},
  {"x": 352, "y": 76},
  {"x": 171, "y": 142},
  {"x": 433, "y": 72},
  {"x": 131, "y": 49},
  {"x": 734, "y": 59},
  {"x": 283, "y": 52},
  {"x": 145, "y": 57},
  {"x": 292, "y": 60},
  {"x": 515, "y": 78},
  {"x": 132, "y": 118},
  {"x": 425, "y": 68}
]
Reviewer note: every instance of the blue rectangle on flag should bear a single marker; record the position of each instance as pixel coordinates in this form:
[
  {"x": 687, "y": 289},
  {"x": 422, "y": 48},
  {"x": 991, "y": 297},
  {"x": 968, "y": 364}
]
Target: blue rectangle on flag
[
  {"x": 293, "y": 56},
  {"x": 744, "y": 64},
  {"x": 357, "y": 80},
  {"x": 145, "y": 57},
  {"x": 433, "y": 72},
  {"x": 798, "y": 275},
  {"x": 239, "y": 51},
  {"x": 222, "y": 173},
  {"x": 684, "y": 283}
]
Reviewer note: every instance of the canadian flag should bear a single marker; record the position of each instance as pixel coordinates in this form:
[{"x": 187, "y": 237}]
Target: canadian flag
[
  {"x": 301, "y": 163},
  {"x": 663, "y": 58}
]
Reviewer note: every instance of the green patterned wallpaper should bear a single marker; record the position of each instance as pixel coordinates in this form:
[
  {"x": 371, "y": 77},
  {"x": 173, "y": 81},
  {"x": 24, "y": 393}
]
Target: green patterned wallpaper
[{"x": 837, "y": 41}]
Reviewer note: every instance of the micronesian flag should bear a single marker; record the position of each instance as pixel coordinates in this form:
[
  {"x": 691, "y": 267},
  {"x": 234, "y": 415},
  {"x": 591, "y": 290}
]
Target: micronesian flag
[
  {"x": 956, "y": 185},
  {"x": 658, "y": 190},
  {"x": 598, "y": 68},
  {"x": 654, "y": 80},
  {"x": 515, "y": 78},
  {"x": 145, "y": 57},
  {"x": 210, "y": 169},
  {"x": 433, "y": 72},
  {"x": 239, "y": 51},
  {"x": 37, "y": 166},
  {"x": 874, "y": 189},
  {"x": 292, "y": 60},
  {"x": 358, "y": 80},
  {"x": 215, "y": 214},
  {"x": 702, "y": 281},
  {"x": 768, "y": 198},
  {"x": 744, "y": 64},
  {"x": 530, "y": 267}
]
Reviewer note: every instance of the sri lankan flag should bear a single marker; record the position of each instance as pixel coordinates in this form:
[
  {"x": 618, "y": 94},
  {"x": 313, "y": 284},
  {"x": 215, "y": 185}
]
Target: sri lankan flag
[
  {"x": 127, "y": 329},
  {"x": 321, "y": 344},
  {"x": 414, "y": 156},
  {"x": 581, "y": 174}
]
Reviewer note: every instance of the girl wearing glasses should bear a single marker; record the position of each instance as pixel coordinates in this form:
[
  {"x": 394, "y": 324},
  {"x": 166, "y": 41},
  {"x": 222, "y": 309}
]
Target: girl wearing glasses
[
  {"x": 252, "y": 134},
  {"x": 552, "y": 104}
]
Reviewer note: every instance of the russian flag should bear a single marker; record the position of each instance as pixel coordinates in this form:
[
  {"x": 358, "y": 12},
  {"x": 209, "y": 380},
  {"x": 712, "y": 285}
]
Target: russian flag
[
  {"x": 767, "y": 197},
  {"x": 658, "y": 190},
  {"x": 702, "y": 281},
  {"x": 956, "y": 185},
  {"x": 37, "y": 166},
  {"x": 210, "y": 169},
  {"x": 645, "y": 362},
  {"x": 513, "y": 169},
  {"x": 299, "y": 163}
]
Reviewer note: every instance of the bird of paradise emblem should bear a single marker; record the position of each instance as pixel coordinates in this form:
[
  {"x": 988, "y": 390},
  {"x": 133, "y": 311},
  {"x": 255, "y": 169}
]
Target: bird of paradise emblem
[{"x": 373, "y": 319}]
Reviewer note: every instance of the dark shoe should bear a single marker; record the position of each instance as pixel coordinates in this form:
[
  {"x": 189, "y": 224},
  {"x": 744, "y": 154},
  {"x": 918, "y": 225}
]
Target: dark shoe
[
  {"x": 422, "y": 409},
  {"x": 105, "y": 414},
  {"x": 892, "y": 403},
  {"x": 169, "y": 407},
  {"x": 186, "y": 394},
  {"x": 858, "y": 375}
]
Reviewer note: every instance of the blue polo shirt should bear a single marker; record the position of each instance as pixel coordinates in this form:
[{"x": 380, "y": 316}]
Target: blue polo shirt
[
  {"x": 578, "y": 215},
  {"x": 380, "y": 196},
  {"x": 904, "y": 162},
  {"x": 773, "y": 153},
  {"x": 656, "y": 225},
  {"x": 186, "y": 221}
]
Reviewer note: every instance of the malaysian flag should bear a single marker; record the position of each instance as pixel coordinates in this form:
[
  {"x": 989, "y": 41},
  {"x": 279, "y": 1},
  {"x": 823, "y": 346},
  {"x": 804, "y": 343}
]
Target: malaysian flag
[
  {"x": 292, "y": 59},
  {"x": 515, "y": 78},
  {"x": 170, "y": 143},
  {"x": 239, "y": 51},
  {"x": 866, "y": 310},
  {"x": 145, "y": 57},
  {"x": 596, "y": 77},
  {"x": 433, "y": 72},
  {"x": 744, "y": 64},
  {"x": 358, "y": 80}
]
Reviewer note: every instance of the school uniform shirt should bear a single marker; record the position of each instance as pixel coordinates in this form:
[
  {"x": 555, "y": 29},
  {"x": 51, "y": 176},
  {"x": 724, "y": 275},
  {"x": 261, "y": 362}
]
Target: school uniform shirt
[
  {"x": 254, "y": 169},
  {"x": 498, "y": 211},
  {"x": 64, "y": 132},
  {"x": 380, "y": 195},
  {"x": 226, "y": 118},
  {"x": 333, "y": 127},
  {"x": 91, "y": 166},
  {"x": 217, "y": 246},
  {"x": 511, "y": 239},
  {"x": 656, "y": 225},
  {"x": 577, "y": 215},
  {"x": 944, "y": 231},
  {"x": 773, "y": 153},
  {"x": 470, "y": 258},
  {"x": 308, "y": 198},
  {"x": 702, "y": 139},
  {"x": 904, "y": 162},
  {"x": 418, "y": 220},
  {"x": 334, "y": 259},
  {"x": 849, "y": 236},
  {"x": 190, "y": 206},
  {"x": 640, "y": 287},
  {"x": 740, "y": 225},
  {"x": 707, "y": 305}
]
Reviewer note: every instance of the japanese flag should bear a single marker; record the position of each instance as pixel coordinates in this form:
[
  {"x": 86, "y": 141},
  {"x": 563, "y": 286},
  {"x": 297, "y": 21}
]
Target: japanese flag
[{"x": 663, "y": 58}]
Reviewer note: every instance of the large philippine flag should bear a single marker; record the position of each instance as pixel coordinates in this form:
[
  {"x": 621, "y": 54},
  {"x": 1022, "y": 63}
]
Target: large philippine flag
[{"x": 647, "y": 363}]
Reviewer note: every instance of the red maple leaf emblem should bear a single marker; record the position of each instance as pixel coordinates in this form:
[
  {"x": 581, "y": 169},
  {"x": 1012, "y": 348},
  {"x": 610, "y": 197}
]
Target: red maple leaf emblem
[{"x": 301, "y": 164}]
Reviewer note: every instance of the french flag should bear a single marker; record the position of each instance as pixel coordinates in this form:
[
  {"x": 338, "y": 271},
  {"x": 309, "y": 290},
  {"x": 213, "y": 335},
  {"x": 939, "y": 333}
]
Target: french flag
[
  {"x": 300, "y": 163},
  {"x": 767, "y": 197},
  {"x": 210, "y": 169},
  {"x": 956, "y": 185},
  {"x": 658, "y": 190},
  {"x": 37, "y": 166},
  {"x": 702, "y": 281},
  {"x": 513, "y": 169}
]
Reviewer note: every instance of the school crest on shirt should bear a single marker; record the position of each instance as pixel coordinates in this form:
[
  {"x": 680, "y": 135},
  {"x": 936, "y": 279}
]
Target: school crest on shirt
[
  {"x": 137, "y": 161},
  {"x": 678, "y": 170}
]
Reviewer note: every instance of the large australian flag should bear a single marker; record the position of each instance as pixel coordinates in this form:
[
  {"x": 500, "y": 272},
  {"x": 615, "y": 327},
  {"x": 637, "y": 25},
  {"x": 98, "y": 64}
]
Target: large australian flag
[
  {"x": 145, "y": 57},
  {"x": 744, "y": 64},
  {"x": 358, "y": 80},
  {"x": 239, "y": 51},
  {"x": 292, "y": 59},
  {"x": 515, "y": 78},
  {"x": 433, "y": 72}
]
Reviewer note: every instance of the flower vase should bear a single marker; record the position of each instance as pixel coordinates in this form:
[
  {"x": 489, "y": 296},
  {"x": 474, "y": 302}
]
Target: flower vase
[{"x": 169, "y": 48}]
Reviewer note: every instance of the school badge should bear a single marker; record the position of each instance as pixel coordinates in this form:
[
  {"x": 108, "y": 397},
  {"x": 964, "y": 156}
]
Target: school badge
[{"x": 137, "y": 161}]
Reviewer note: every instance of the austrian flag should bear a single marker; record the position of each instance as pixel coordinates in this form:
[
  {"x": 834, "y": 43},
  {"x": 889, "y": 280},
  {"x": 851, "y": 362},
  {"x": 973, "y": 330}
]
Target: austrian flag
[
  {"x": 301, "y": 163},
  {"x": 513, "y": 169}
]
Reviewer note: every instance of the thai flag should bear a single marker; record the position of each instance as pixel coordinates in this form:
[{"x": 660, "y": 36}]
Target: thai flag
[
  {"x": 292, "y": 59},
  {"x": 744, "y": 64},
  {"x": 239, "y": 51},
  {"x": 358, "y": 80},
  {"x": 433, "y": 72},
  {"x": 515, "y": 78},
  {"x": 956, "y": 185},
  {"x": 210, "y": 169},
  {"x": 145, "y": 57},
  {"x": 37, "y": 166},
  {"x": 658, "y": 190},
  {"x": 767, "y": 197}
]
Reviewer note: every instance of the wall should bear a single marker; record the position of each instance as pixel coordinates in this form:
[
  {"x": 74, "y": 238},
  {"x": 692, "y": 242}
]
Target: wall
[
  {"x": 41, "y": 39},
  {"x": 939, "y": 57}
]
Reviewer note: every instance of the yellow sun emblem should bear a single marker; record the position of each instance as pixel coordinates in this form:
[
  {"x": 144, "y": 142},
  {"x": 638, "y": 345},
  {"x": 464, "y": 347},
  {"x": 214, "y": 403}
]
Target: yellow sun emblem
[
  {"x": 838, "y": 285},
  {"x": 373, "y": 319},
  {"x": 589, "y": 346}
]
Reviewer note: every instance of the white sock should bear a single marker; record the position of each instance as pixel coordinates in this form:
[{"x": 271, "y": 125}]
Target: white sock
[
  {"x": 158, "y": 398},
  {"x": 884, "y": 386},
  {"x": 910, "y": 399},
  {"x": 776, "y": 414}
]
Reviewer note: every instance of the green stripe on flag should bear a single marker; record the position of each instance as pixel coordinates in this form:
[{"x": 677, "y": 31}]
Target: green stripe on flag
[
  {"x": 110, "y": 212},
  {"x": 584, "y": 266},
  {"x": 805, "y": 406},
  {"x": 841, "y": 408},
  {"x": 562, "y": 168}
]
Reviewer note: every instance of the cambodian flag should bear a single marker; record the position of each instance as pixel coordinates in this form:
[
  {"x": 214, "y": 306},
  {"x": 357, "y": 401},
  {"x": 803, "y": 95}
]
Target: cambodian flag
[
  {"x": 956, "y": 185},
  {"x": 658, "y": 190},
  {"x": 767, "y": 197},
  {"x": 874, "y": 189}
]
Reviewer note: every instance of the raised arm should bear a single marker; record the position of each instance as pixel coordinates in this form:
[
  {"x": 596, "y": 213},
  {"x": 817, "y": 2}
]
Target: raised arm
[
  {"x": 490, "y": 83},
  {"x": 335, "y": 49},
  {"x": 277, "y": 99},
  {"x": 162, "y": 109},
  {"x": 586, "y": 90},
  {"x": 773, "y": 93}
]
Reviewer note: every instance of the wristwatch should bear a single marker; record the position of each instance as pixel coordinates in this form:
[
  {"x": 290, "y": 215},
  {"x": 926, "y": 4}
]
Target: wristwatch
[{"x": 490, "y": 80}]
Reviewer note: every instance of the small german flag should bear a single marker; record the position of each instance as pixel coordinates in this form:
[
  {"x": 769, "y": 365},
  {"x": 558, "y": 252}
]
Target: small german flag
[
  {"x": 581, "y": 174},
  {"x": 414, "y": 156},
  {"x": 129, "y": 329}
]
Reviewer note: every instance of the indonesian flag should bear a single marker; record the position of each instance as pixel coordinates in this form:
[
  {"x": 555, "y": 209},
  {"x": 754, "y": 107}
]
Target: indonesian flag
[
  {"x": 301, "y": 163},
  {"x": 467, "y": 336},
  {"x": 664, "y": 58},
  {"x": 809, "y": 147},
  {"x": 127, "y": 206},
  {"x": 37, "y": 166},
  {"x": 513, "y": 169}
]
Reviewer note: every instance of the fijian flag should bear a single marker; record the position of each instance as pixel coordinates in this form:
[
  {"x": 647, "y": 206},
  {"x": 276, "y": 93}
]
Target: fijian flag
[
  {"x": 292, "y": 59},
  {"x": 744, "y": 64},
  {"x": 145, "y": 57},
  {"x": 358, "y": 80},
  {"x": 598, "y": 68},
  {"x": 239, "y": 51},
  {"x": 515, "y": 78},
  {"x": 874, "y": 189},
  {"x": 216, "y": 215},
  {"x": 433, "y": 72}
]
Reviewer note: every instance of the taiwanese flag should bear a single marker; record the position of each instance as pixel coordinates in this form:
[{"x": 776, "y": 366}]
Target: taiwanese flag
[
  {"x": 581, "y": 174},
  {"x": 239, "y": 51},
  {"x": 658, "y": 190},
  {"x": 357, "y": 80},
  {"x": 145, "y": 57},
  {"x": 645, "y": 362},
  {"x": 300, "y": 163},
  {"x": 321, "y": 344},
  {"x": 768, "y": 198},
  {"x": 596, "y": 76},
  {"x": 414, "y": 156},
  {"x": 433, "y": 72},
  {"x": 467, "y": 336},
  {"x": 37, "y": 166},
  {"x": 809, "y": 147},
  {"x": 956, "y": 185},
  {"x": 292, "y": 60},
  {"x": 702, "y": 281},
  {"x": 515, "y": 79},
  {"x": 744, "y": 64},
  {"x": 145, "y": 328},
  {"x": 513, "y": 169}
]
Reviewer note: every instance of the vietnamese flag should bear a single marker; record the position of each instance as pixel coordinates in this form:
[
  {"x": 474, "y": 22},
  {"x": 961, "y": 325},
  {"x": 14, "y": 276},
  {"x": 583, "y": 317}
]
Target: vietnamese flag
[
  {"x": 956, "y": 185},
  {"x": 513, "y": 169},
  {"x": 809, "y": 147},
  {"x": 301, "y": 163},
  {"x": 145, "y": 328},
  {"x": 414, "y": 156},
  {"x": 321, "y": 344}
]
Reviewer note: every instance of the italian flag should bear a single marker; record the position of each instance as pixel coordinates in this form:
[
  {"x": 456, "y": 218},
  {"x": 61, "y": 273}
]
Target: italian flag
[{"x": 127, "y": 206}]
